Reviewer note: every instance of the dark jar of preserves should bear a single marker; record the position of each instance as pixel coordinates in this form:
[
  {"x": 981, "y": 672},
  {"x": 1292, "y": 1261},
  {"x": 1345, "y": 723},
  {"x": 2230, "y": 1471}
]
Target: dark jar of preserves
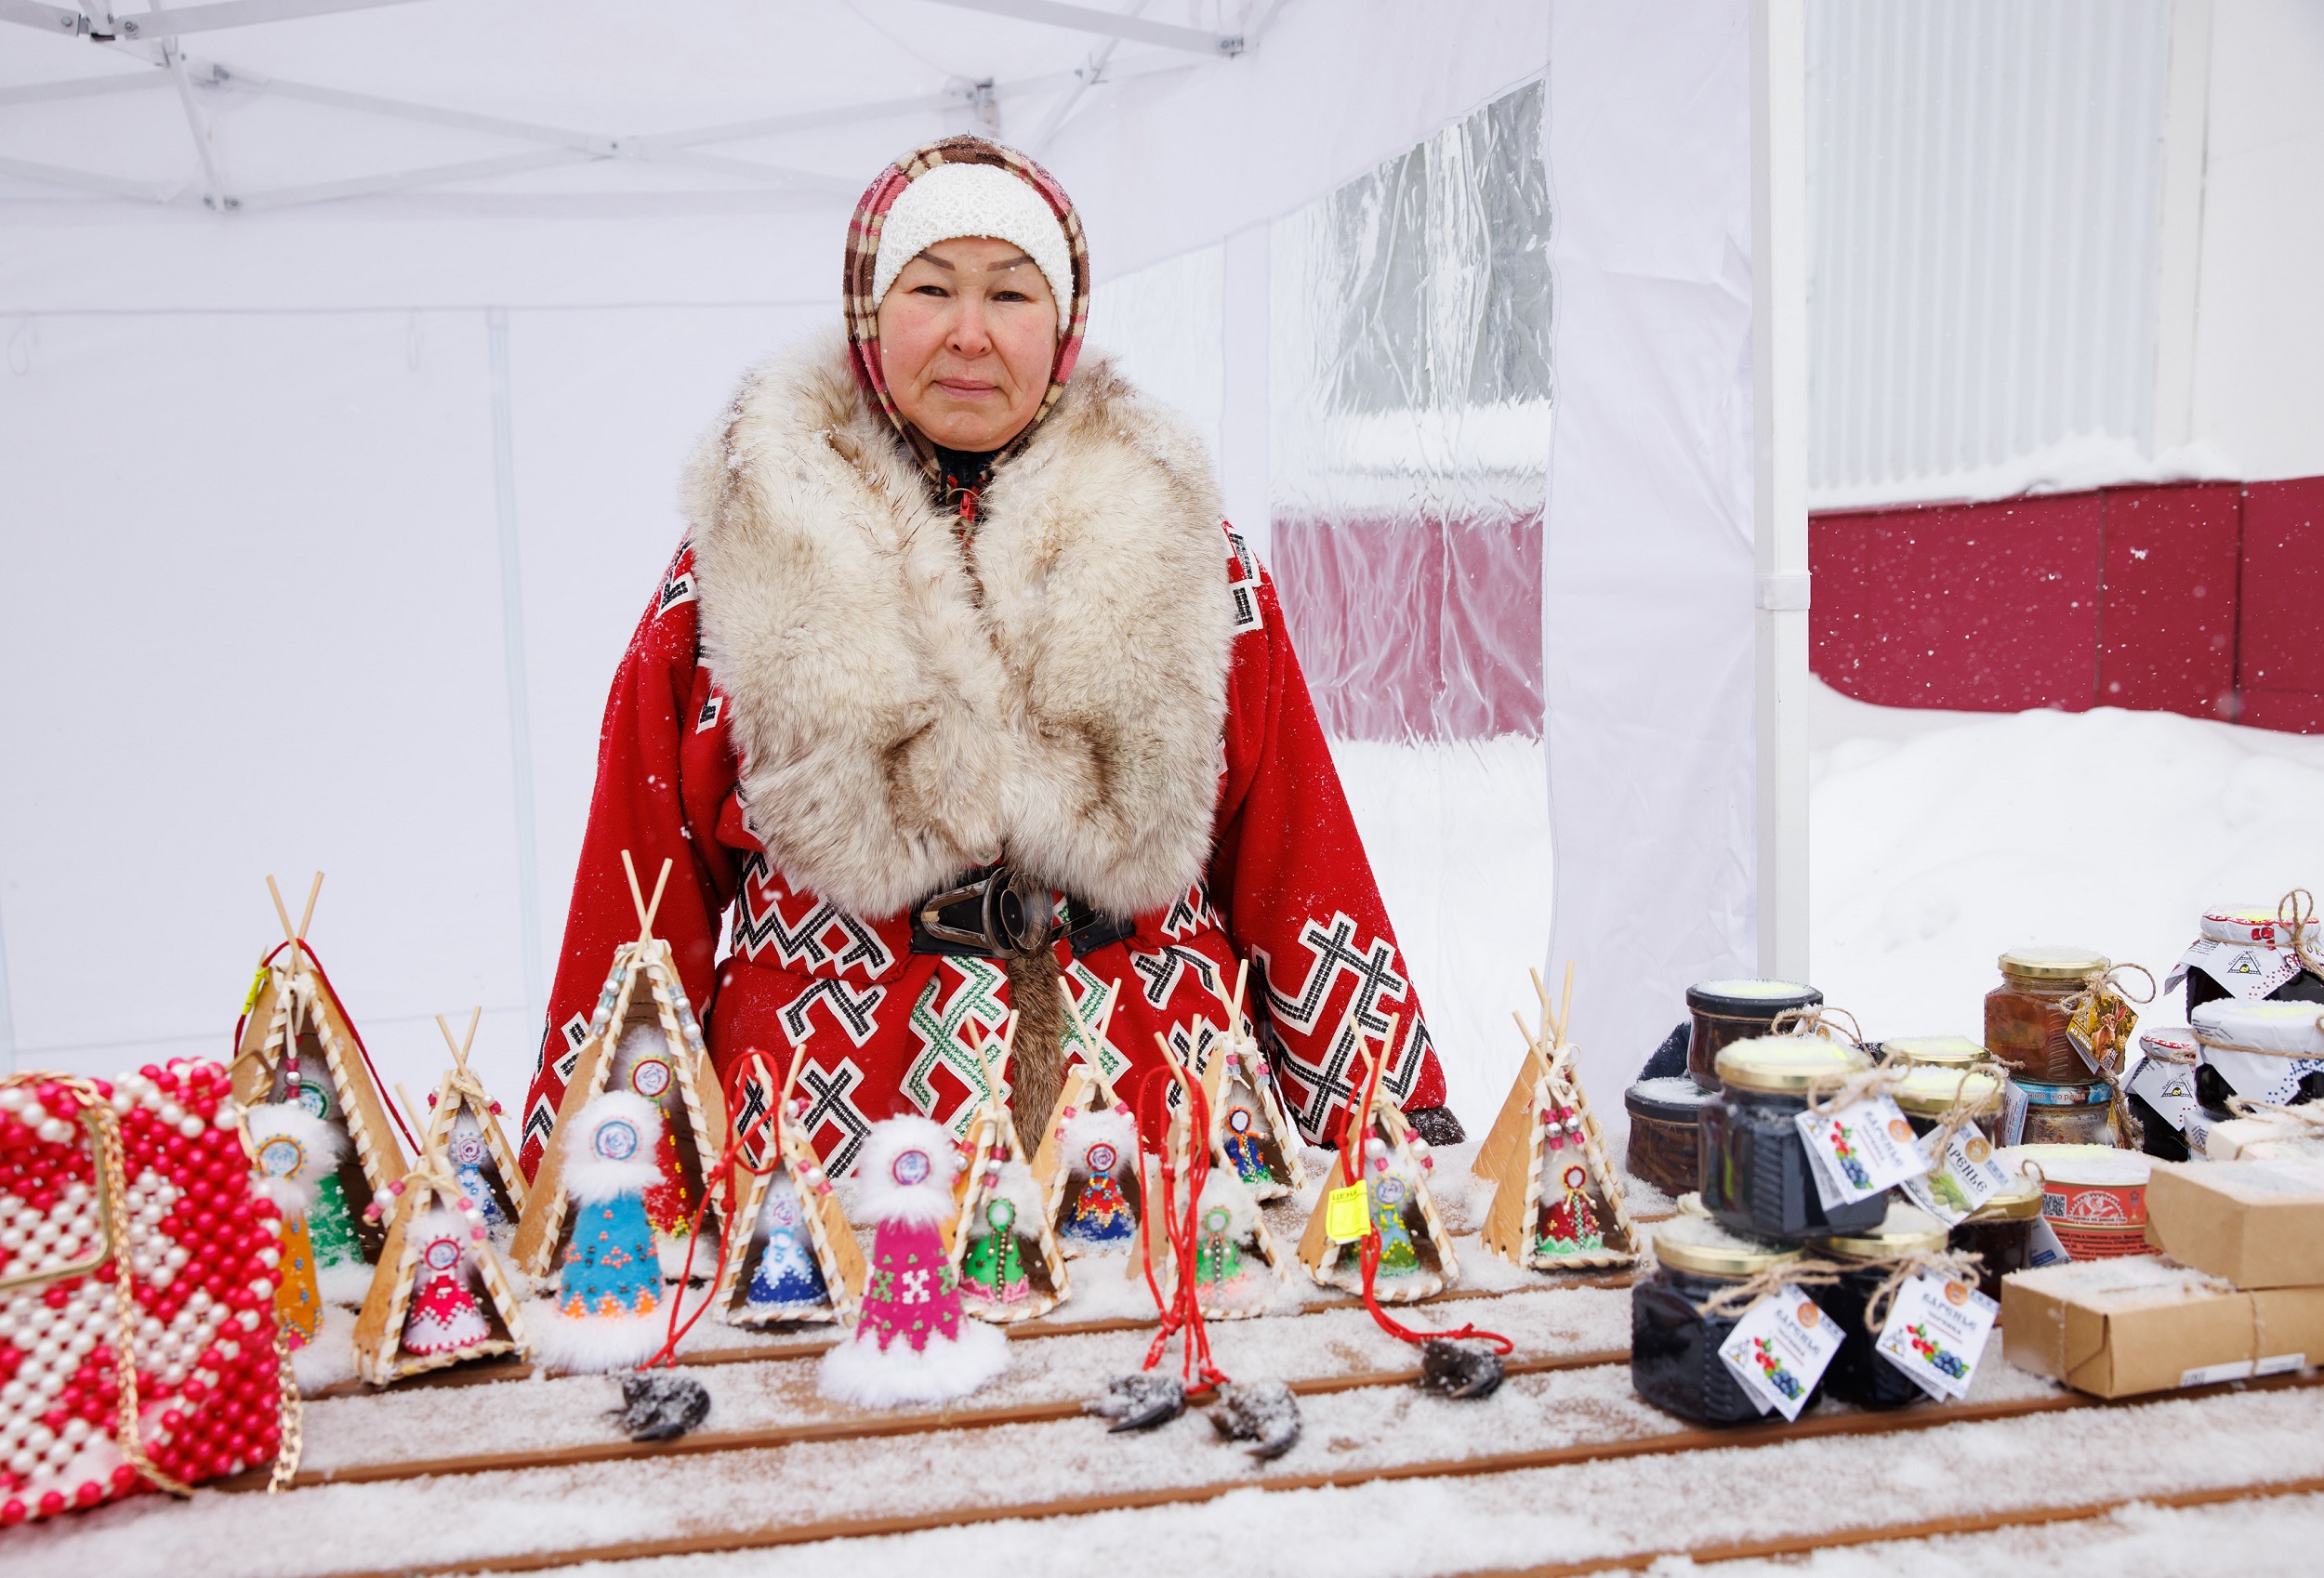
[
  {"x": 1858, "y": 1373},
  {"x": 1674, "y": 1360},
  {"x": 1929, "y": 1092},
  {"x": 2026, "y": 1016},
  {"x": 2002, "y": 1231},
  {"x": 1664, "y": 1138},
  {"x": 1755, "y": 1177},
  {"x": 1728, "y": 1011}
]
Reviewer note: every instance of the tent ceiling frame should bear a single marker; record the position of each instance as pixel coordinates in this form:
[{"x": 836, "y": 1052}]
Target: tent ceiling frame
[{"x": 152, "y": 39}]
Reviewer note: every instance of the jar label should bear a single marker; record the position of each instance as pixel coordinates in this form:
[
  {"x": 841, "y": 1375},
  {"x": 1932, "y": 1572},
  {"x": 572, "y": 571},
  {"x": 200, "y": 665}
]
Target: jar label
[
  {"x": 2100, "y": 1031},
  {"x": 1780, "y": 1350},
  {"x": 2169, "y": 1089},
  {"x": 1860, "y": 1151},
  {"x": 1959, "y": 1181},
  {"x": 1936, "y": 1332}
]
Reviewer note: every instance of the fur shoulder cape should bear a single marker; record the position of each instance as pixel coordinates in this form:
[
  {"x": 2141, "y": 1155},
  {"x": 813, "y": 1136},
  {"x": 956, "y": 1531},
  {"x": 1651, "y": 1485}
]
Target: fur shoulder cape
[{"x": 903, "y": 714}]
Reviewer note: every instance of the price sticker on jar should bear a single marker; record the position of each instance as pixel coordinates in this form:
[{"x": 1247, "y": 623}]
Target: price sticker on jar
[
  {"x": 1936, "y": 1332},
  {"x": 1780, "y": 1350},
  {"x": 1860, "y": 1151},
  {"x": 1964, "y": 1177}
]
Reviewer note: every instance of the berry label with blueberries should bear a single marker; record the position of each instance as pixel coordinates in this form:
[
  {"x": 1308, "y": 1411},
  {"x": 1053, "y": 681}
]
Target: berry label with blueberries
[
  {"x": 1936, "y": 1332},
  {"x": 1860, "y": 1151},
  {"x": 1780, "y": 1350}
]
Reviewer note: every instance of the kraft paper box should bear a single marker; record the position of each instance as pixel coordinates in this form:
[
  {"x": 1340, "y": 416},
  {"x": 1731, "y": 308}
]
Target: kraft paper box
[
  {"x": 2138, "y": 1323},
  {"x": 2258, "y": 1224}
]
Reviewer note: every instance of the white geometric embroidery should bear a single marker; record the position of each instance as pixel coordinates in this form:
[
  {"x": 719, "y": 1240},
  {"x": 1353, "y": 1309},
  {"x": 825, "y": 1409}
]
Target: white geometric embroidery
[
  {"x": 708, "y": 717},
  {"x": 1373, "y": 966},
  {"x": 1242, "y": 584},
  {"x": 854, "y": 1007},
  {"x": 826, "y": 934},
  {"x": 1191, "y": 913},
  {"x": 1161, "y": 971}
]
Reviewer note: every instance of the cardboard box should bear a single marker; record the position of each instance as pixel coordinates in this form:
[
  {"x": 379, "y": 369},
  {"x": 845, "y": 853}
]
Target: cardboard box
[
  {"x": 2263, "y": 1138},
  {"x": 2258, "y": 1224},
  {"x": 2138, "y": 1323}
]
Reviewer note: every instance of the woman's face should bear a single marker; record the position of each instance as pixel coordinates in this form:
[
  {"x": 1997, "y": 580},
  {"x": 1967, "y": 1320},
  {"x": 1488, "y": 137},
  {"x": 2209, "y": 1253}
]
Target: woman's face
[{"x": 967, "y": 336}]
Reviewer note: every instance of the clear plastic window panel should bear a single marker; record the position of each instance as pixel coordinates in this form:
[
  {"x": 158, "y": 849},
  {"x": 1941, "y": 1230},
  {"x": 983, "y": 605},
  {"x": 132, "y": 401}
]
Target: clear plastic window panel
[{"x": 1409, "y": 386}]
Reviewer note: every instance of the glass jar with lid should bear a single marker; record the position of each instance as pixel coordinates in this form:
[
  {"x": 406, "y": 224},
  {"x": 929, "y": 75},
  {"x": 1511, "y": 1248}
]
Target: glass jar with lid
[
  {"x": 2025, "y": 1016},
  {"x": 1674, "y": 1360},
  {"x": 1755, "y": 1177},
  {"x": 1868, "y": 1258},
  {"x": 1929, "y": 1092},
  {"x": 2077, "y": 1113},
  {"x": 1936, "y": 1051},
  {"x": 2001, "y": 1231},
  {"x": 1665, "y": 1146},
  {"x": 1728, "y": 1011}
]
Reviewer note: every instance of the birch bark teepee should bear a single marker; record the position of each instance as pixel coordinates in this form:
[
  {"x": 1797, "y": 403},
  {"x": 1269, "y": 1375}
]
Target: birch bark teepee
[
  {"x": 297, "y": 1045},
  {"x": 1557, "y": 1204},
  {"x": 1092, "y": 1189},
  {"x": 435, "y": 1239},
  {"x": 790, "y": 1255},
  {"x": 694, "y": 1107},
  {"x": 1004, "y": 1253},
  {"x": 1250, "y": 1134},
  {"x": 464, "y": 1128},
  {"x": 1391, "y": 1165}
]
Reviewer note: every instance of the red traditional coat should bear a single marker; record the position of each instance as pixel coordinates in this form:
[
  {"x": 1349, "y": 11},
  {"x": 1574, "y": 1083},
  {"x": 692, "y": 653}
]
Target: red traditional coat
[{"x": 805, "y": 724}]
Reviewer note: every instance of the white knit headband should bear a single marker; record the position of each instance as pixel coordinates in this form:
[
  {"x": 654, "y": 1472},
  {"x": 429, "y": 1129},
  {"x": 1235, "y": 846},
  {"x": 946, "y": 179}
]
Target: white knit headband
[{"x": 952, "y": 201}]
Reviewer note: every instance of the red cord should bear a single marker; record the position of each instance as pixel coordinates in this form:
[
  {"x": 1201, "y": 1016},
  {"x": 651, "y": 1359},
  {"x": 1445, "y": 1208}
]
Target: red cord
[
  {"x": 1182, "y": 1310},
  {"x": 371, "y": 1068},
  {"x": 721, "y": 1174},
  {"x": 1369, "y": 1247}
]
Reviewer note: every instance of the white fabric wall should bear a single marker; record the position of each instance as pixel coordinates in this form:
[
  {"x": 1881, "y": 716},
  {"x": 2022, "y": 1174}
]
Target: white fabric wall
[
  {"x": 245, "y": 448},
  {"x": 1647, "y": 618}
]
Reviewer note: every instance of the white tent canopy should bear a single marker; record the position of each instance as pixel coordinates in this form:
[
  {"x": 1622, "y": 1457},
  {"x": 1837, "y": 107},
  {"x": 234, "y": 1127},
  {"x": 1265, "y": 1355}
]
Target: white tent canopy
[{"x": 353, "y": 348}]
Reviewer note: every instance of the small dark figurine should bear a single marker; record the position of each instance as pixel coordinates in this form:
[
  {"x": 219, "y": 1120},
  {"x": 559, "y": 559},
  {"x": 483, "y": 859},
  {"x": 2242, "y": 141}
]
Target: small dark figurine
[
  {"x": 1260, "y": 1412},
  {"x": 1140, "y": 1401},
  {"x": 657, "y": 1406},
  {"x": 1460, "y": 1369}
]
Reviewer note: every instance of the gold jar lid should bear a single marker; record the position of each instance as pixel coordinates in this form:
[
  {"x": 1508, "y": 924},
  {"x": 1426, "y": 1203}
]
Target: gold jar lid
[
  {"x": 1906, "y": 1230},
  {"x": 1937, "y": 1051},
  {"x": 2052, "y": 964},
  {"x": 1782, "y": 1063},
  {"x": 1929, "y": 1092},
  {"x": 2017, "y": 1200},
  {"x": 1688, "y": 1243}
]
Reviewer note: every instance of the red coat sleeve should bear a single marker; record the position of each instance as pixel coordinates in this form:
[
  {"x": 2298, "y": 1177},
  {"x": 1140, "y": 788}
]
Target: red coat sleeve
[
  {"x": 1300, "y": 902},
  {"x": 665, "y": 766}
]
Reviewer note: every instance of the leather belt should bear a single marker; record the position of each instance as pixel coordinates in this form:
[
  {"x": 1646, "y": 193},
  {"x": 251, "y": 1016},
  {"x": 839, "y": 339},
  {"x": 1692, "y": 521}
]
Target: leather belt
[{"x": 996, "y": 912}]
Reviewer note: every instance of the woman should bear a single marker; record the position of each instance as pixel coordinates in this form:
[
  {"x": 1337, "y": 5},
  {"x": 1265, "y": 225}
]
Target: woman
[{"x": 960, "y": 696}]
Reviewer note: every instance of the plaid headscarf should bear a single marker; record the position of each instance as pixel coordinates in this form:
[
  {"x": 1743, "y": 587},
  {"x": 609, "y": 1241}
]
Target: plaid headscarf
[{"x": 863, "y": 251}]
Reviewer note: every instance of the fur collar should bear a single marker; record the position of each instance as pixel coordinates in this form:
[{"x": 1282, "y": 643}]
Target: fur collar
[{"x": 901, "y": 718}]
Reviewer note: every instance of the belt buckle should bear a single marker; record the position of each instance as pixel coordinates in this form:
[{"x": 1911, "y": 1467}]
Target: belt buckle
[{"x": 995, "y": 914}]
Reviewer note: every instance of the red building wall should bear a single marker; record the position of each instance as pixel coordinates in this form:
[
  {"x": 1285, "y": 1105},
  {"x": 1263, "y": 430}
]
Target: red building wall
[{"x": 2200, "y": 598}]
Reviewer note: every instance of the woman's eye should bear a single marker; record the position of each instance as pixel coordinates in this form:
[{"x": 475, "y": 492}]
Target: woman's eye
[{"x": 929, "y": 290}]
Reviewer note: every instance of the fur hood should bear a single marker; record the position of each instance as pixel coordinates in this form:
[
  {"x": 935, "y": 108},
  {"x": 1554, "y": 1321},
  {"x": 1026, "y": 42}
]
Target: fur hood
[{"x": 901, "y": 716}]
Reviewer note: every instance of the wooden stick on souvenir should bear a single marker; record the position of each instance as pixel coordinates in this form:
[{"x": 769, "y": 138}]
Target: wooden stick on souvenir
[
  {"x": 1509, "y": 1124},
  {"x": 1250, "y": 1131},
  {"x": 1557, "y": 1202},
  {"x": 1005, "y": 1258},
  {"x": 1086, "y": 1169},
  {"x": 422, "y": 1313},
  {"x": 673, "y": 1074}
]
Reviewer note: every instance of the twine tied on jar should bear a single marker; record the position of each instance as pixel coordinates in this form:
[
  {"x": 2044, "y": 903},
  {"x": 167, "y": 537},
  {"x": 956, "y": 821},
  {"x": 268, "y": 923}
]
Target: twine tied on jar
[
  {"x": 1953, "y": 1265},
  {"x": 1963, "y": 1113},
  {"x": 1739, "y": 1299},
  {"x": 1836, "y": 1096},
  {"x": 1812, "y": 1020},
  {"x": 2295, "y": 912},
  {"x": 2221, "y": 1044}
]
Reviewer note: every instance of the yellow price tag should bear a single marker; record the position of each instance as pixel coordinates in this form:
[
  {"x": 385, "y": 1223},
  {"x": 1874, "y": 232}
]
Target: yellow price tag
[
  {"x": 1348, "y": 1214},
  {"x": 257, "y": 982}
]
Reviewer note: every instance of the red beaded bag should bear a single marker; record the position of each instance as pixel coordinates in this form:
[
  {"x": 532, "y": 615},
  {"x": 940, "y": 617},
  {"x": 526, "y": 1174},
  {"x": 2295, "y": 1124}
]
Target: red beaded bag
[{"x": 162, "y": 1366}]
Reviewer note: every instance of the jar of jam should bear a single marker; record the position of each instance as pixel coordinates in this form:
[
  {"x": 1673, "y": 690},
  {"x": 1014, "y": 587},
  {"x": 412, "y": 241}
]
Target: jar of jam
[
  {"x": 2025, "y": 1016},
  {"x": 1727, "y": 1011},
  {"x": 1664, "y": 1144},
  {"x": 1929, "y": 1092},
  {"x": 1674, "y": 1360},
  {"x": 1937, "y": 1051},
  {"x": 1867, "y": 1258},
  {"x": 2002, "y": 1231},
  {"x": 2079, "y": 1113},
  {"x": 2161, "y": 1095},
  {"x": 1755, "y": 1177},
  {"x": 2093, "y": 1195}
]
